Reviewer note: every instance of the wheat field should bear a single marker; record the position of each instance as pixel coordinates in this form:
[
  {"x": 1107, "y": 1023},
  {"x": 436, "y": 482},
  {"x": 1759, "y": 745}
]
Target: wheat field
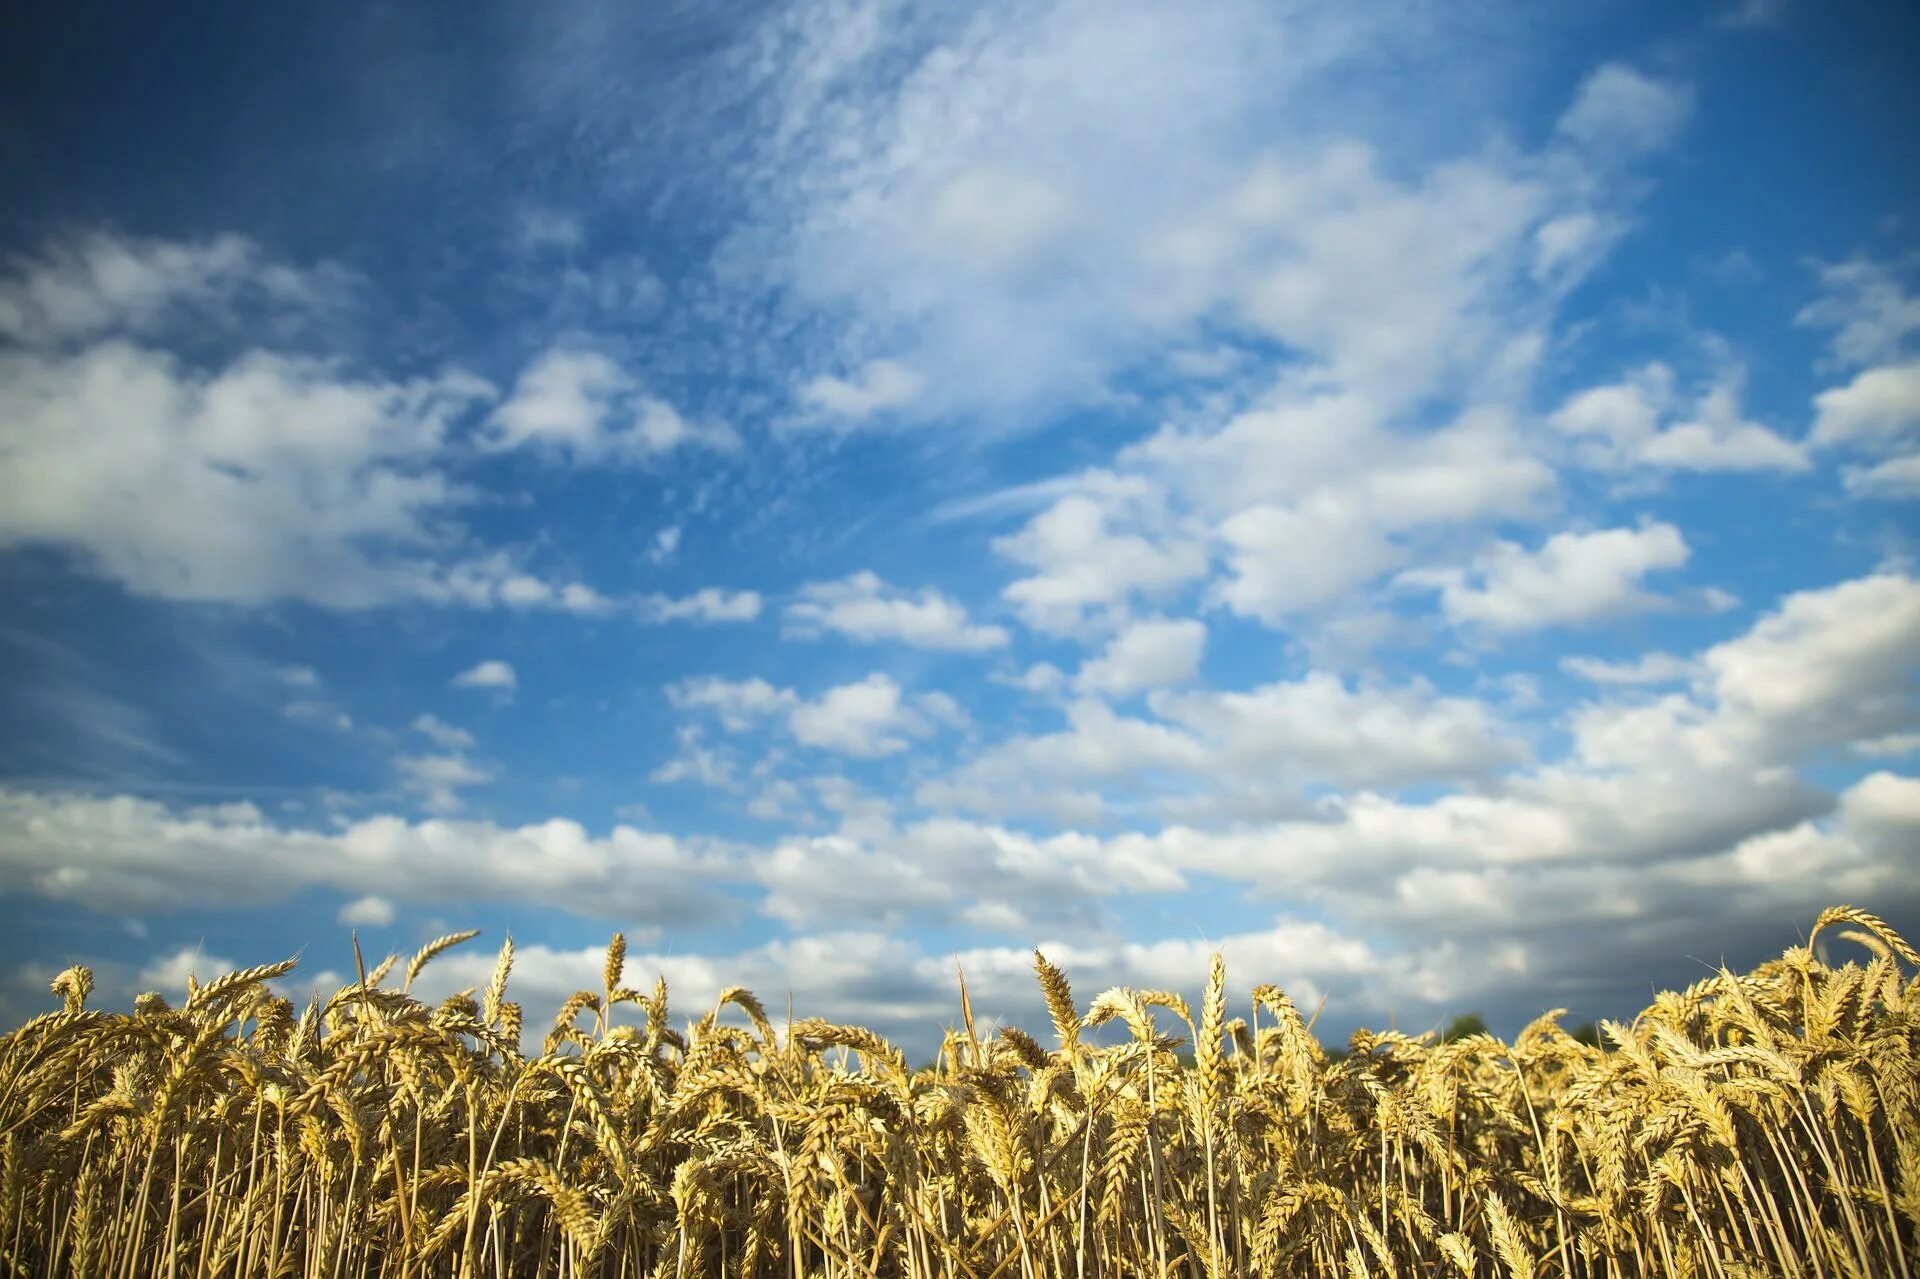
[{"x": 1765, "y": 1123}]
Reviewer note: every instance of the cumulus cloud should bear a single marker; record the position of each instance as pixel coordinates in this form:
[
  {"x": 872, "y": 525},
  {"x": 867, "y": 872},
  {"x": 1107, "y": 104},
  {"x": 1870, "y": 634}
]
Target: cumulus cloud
[
  {"x": 1643, "y": 421},
  {"x": 1878, "y": 409},
  {"x": 96, "y": 283},
  {"x": 126, "y": 854},
  {"x": 1092, "y": 551},
  {"x": 880, "y": 385},
  {"x": 1151, "y": 653},
  {"x": 1648, "y": 668},
  {"x": 867, "y": 719},
  {"x": 267, "y": 476},
  {"x": 1829, "y": 665},
  {"x": 1573, "y": 578},
  {"x": 1319, "y": 729},
  {"x": 739, "y": 704},
  {"x": 439, "y": 779},
  {"x": 366, "y": 912},
  {"x": 708, "y": 604},
  {"x": 1313, "y": 494},
  {"x": 579, "y": 403},
  {"x": 1670, "y": 808},
  {"x": 1061, "y": 774},
  {"x": 441, "y": 733},
  {"x": 1681, "y": 777},
  {"x": 1877, "y": 413},
  {"x": 865, "y": 608},
  {"x": 1623, "y": 110},
  {"x": 952, "y": 870},
  {"x": 1222, "y": 754},
  {"x": 697, "y": 762},
  {"x": 275, "y": 478},
  {"x": 492, "y": 673},
  {"x": 1867, "y": 305}
]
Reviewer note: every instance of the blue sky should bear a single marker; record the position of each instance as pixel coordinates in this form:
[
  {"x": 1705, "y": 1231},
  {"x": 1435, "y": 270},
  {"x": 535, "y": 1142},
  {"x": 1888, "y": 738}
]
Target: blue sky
[{"x": 1420, "y": 500}]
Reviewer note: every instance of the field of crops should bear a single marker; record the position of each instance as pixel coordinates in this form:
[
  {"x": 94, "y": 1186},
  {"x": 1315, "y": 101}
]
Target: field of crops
[{"x": 1757, "y": 1124}]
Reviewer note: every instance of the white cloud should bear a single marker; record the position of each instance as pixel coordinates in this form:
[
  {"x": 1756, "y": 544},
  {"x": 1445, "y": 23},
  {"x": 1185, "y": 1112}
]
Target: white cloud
[
  {"x": 1897, "y": 477},
  {"x": 1041, "y": 678},
  {"x": 1648, "y": 668},
  {"x": 696, "y": 762},
  {"x": 1092, "y": 551},
  {"x": 739, "y": 704},
  {"x": 563, "y": 399},
  {"x": 1827, "y": 665},
  {"x": 366, "y": 912},
  {"x": 1644, "y": 421},
  {"x": 708, "y": 604},
  {"x": 865, "y": 608},
  {"x": 961, "y": 198},
  {"x": 1061, "y": 774},
  {"x": 1147, "y": 654},
  {"x": 522, "y": 591},
  {"x": 1285, "y": 559},
  {"x": 1877, "y": 411},
  {"x": 1316, "y": 495},
  {"x": 1873, "y": 317},
  {"x": 126, "y": 854},
  {"x": 658, "y": 428},
  {"x": 1620, "y": 110},
  {"x": 1673, "y": 781},
  {"x": 265, "y": 477},
  {"x": 276, "y": 478},
  {"x": 1573, "y": 578},
  {"x": 98, "y": 283},
  {"x": 168, "y": 973},
  {"x": 951, "y": 869},
  {"x": 1318, "y": 730},
  {"x": 665, "y": 543},
  {"x": 441, "y": 733},
  {"x": 867, "y": 719},
  {"x": 492, "y": 673},
  {"x": 579, "y": 403},
  {"x": 1867, "y": 305},
  {"x": 1669, "y": 814},
  {"x": 439, "y": 779},
  {"x": 298, "y": 676},
  {"x": 880, "y": 386}
]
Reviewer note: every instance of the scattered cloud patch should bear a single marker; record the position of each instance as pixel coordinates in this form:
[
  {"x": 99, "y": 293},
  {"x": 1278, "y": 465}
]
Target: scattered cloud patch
[
  {"x": 439, "y": 779},
  {"x": 867, "y": 609},
  {"x": 880, "y": 386},
  {"x": 442, "y": 734},
  {"x": 579, "y": 404},
  {"x": 1574, "y": 578},
  {"x": 491, "y": 673},
  {"x": 1648, "y": 668},
  {"x": 708, "y": 604},
  {"x": 139, "y": 856},
  {"x": 1643, "y": 421},
  {"x": 1620, "y": 110},
  {"x": 366, "y": 912},
  {"x": 866, "y": 720},
  {"x": 1151, "y": 653}
]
